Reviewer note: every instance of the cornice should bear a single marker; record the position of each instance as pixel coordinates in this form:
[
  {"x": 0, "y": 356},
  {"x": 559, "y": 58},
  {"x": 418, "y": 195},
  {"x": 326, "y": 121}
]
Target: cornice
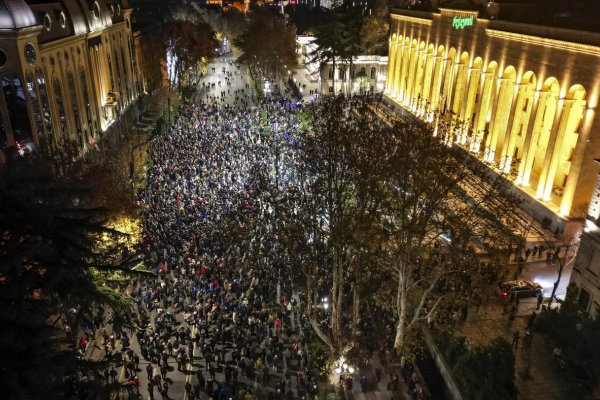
[
  {"x": 451, "y": 12},
  {"x": 546, "y": 42},
  {"x": 416, "y": 20}
]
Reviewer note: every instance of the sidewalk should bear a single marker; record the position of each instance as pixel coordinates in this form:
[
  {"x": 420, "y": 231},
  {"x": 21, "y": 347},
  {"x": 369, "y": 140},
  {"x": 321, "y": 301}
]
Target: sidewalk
[
  {"x": 535, "y": 376},
  {"x": 379, "y": 390}
]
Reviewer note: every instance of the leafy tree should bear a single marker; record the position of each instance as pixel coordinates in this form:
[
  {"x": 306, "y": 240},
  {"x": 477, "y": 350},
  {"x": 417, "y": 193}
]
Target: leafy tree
[
  {"x": 234, "y": 22},
  {"x": 487, "y": 372},
  {"x": 330, "y": 41},
  {"x": 188, "y": 45},
  {"x": 575, "y": 339},
  {"x": 58, "y": 262},
  {"x": 352, "y": 45},
  {"x": 324, "y": 224},
  {"x": 267, "y": 45},
  {"x": 374, "y": 29},
  {"x": 444, "y": 216}
]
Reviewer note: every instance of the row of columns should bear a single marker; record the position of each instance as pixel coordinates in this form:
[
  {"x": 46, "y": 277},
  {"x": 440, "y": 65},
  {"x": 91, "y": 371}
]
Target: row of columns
[{"x": 492, "y": 115}]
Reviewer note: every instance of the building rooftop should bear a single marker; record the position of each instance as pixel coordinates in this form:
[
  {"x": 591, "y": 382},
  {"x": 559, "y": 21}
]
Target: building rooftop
[
  {"x": 570, "y": 14},
  {"x": 15, "y": 14},
  {"x": 533, "y": 30}
]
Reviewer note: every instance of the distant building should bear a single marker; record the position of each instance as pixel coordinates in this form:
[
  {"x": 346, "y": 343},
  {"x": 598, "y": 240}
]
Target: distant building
[
  {"x": 67, "y": 70},
  {"x": 368, "y": 72},
  {"x": 586, "y": 273},
  {"x": 367, "y": 75}
]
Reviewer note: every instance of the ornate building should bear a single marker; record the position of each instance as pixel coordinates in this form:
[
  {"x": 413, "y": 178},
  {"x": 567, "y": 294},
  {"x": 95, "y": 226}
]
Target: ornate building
[
  {"x": 521, "y": 98},
  {"x": 67, "y": 70}
]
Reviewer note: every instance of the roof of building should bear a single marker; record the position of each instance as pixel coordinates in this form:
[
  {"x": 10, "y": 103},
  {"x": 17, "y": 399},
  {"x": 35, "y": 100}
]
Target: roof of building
[{"x": 15, "y": 14}]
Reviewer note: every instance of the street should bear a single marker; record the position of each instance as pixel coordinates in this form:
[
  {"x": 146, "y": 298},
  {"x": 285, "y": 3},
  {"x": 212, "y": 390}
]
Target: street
[
  {"x": 215, "y": 328},
  {"x": 215, "y": 81}
]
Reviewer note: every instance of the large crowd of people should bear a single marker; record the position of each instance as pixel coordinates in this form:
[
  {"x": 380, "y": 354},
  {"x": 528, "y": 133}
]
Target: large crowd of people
[{"x": 215, "y": 310}]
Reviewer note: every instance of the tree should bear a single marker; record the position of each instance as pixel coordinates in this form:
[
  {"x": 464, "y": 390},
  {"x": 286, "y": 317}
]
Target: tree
[
  {"x": 487, "y": 372},
  {"x": 324, "y": 224},
  {"x": 329, "y": 39},
  {"x": 353, "y": 20},
  {"x": 444, "y": 216},
  {"x": 58, "y": 259},
  {"x": 374, "y": 29},
  {"x": 188, "y": 44},
  {"x": 563, "y": 254},
  {"x": 267, "y": 45}
]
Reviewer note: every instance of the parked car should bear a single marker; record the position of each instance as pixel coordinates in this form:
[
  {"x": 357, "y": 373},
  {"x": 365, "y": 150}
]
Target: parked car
[{"x": 521, "y": 289}]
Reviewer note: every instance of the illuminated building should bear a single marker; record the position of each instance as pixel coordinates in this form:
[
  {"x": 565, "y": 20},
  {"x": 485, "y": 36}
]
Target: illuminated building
[
  {"x": 368, "y": 74},
  {"x": 67, "y": 71},
  {"x": 521, "y": 98}
]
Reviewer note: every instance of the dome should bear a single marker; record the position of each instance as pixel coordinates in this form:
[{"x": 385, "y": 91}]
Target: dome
[{"x": 15, "y": 14}]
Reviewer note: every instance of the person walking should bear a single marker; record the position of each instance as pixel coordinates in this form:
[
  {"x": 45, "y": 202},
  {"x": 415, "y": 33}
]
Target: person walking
[
  {"x": 515, "y": 340},
  {"x": 531, "y": 321},
  {"x": 363, "y": 384}
]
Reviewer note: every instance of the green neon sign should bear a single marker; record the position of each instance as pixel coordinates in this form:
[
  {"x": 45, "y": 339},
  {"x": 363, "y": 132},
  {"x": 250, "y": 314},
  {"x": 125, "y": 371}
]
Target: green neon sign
[{"x": 461, "y": 23}]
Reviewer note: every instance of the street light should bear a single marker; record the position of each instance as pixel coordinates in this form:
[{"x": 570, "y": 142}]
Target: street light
[{"x": 343, "y": 367}]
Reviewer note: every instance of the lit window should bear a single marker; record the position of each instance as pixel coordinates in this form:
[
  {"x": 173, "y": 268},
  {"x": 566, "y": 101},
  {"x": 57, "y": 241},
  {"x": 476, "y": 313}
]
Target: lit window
[
  {"x": 47, "y": 22},
  {"x": 96, "y": 10}
]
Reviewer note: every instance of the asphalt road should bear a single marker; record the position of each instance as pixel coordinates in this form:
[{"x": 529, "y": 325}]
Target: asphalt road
[{"x": 215, "y": 81}]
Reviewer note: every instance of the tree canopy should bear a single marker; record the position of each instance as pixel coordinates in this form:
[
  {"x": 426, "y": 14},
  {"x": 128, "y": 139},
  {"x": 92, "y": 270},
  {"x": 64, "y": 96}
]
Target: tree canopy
[
  {"x": 388, "y": 211},
  {"x": 61, "y": 265},
  {"x": 267, "y": 45},
  {"x": 189, "y": 44}
]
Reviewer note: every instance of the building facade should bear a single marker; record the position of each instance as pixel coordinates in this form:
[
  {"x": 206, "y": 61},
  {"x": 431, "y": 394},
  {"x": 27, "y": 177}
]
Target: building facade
[
  {"x": 521, "y": 98},
  {"x": 586, "y": 272},
  {"x": 67, "y": 71},
  {"x": 367, "y": 75}
]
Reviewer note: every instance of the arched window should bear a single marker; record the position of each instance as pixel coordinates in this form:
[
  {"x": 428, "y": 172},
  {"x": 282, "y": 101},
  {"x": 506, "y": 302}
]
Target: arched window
[
  {"x": 74, "y": 105},
  {"x": 60, "y": 108},
  {"x": 513, "y": 147},
  {"x": 35, "y": 105},
  {"x": 43, "y": 94},
  {"x": 16, "y": 104},
  {"x": 118, "y": 70},
  {"x": 373, "y": 73},
  {"x": 110, "y": 73},
  {"x": 499, "y": 124},
  {"x": 124, "y": 64},
  {"x": 86, "y": 98}
]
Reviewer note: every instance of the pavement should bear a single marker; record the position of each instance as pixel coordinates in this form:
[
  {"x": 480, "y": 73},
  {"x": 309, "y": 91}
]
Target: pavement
[
  {"x": 377, "y": 390},
  {"x": 537, "y": 269},
  {"x": 535, "y": 375},
  {"x": 215, "y": 81}
]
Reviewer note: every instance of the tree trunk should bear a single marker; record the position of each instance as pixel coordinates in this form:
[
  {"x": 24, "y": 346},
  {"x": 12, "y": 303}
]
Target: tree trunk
[
  {"x": 333, "y": 76},
  {"x": 311, "y": 317},
  {"x": 355, "y": 310},
  {"x": 335, "y": 304},
  {"x": 400, "y": 308}
]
